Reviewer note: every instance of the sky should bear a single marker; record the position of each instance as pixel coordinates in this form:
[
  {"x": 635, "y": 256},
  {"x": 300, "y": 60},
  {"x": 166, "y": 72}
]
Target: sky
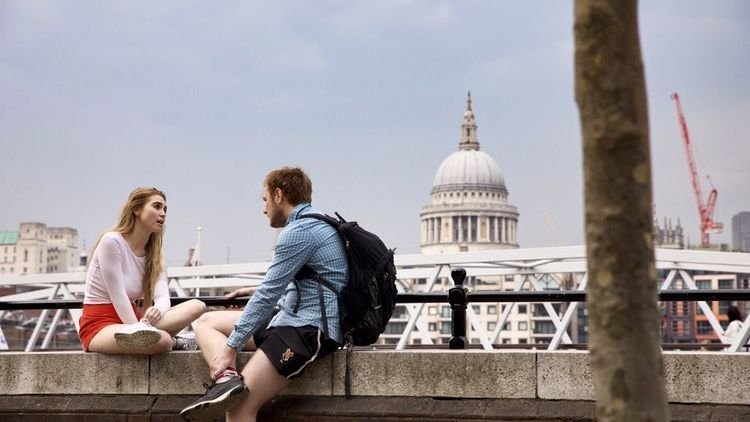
[{"x": 202, "y": 99}]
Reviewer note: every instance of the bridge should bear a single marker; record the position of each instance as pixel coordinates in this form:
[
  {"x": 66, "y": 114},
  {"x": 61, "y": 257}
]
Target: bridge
[{"x": 547, "y": 380}]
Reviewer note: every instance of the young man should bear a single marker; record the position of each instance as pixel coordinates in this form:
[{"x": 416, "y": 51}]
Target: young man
[{"x": 299, "y": 333}]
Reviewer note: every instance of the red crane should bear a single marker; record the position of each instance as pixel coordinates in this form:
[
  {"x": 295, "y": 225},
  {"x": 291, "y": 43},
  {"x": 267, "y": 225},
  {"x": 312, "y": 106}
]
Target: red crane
[{"x": 705, "y": 210}]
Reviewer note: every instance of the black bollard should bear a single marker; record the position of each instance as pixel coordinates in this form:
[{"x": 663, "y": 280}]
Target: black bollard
[{"x": 458, "y": 298}]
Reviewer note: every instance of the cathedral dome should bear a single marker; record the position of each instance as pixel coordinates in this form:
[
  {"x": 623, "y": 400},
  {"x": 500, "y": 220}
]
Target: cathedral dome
[
  {"x": 469, "y": 169},
  {"x": 469, "y": 210}
]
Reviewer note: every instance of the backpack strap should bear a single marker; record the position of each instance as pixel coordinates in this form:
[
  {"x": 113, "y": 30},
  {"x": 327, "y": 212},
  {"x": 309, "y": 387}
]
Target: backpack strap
[
  {"x": 308, "y": 273},
  {"x": 296, "y": 296}
]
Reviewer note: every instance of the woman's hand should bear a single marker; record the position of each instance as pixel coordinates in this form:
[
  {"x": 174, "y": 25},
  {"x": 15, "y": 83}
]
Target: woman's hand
[{"x": 152, "y": 315}]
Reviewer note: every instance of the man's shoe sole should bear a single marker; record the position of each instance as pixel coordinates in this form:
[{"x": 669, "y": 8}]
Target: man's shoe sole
[
  {"x": 138, "y": 339},
  {"x": 211, "y": 410}
]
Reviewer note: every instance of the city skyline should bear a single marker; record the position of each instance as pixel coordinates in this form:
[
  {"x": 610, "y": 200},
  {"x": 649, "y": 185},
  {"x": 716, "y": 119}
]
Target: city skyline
[{"x": 368, "y": 98}]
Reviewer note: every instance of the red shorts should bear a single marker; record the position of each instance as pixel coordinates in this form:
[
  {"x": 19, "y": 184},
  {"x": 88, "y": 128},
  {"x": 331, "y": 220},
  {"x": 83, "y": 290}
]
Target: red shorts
[{"x": 96, "y": 317}]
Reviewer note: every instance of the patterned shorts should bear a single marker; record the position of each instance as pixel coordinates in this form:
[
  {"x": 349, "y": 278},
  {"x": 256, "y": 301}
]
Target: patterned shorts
[{"x": 292, "y": 349}]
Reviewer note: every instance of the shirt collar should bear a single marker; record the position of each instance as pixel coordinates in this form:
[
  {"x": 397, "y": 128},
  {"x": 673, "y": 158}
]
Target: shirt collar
[{"x": 297, "y": 211}]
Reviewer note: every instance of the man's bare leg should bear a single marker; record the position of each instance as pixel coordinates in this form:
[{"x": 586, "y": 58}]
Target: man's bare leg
[
  {"x": 264, "y": 383},
  {"x": 213, "y": 329}
]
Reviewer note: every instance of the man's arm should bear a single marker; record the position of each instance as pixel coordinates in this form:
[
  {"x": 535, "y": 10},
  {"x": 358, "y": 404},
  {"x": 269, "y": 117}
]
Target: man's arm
[{"x": 293, "y": 249}]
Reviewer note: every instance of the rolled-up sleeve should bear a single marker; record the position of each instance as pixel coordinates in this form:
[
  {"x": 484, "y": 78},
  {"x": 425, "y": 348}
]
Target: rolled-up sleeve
[{"x": 293, "y": 249}]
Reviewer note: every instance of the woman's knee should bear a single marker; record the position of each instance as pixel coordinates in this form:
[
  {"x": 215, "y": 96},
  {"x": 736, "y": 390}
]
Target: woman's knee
[{"x": 197, "y": 307}]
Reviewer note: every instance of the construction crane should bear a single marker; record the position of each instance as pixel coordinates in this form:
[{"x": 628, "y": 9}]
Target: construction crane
[{"x": 705, "y": 209}]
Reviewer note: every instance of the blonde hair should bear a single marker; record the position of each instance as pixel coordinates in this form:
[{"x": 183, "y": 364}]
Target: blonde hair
[{"x": 154, "y": 264}]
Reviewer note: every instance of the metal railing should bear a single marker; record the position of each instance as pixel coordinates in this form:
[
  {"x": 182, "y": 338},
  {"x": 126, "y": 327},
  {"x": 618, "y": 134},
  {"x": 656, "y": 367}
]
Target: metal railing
[{"x": 543, "y": 275}]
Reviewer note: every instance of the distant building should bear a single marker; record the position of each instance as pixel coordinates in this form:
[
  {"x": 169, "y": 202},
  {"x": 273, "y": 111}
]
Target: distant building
[
  {"x": 36, "y": 248},
  {"x": 469, "y": 211},
  {"x": 741, "y": 231},
  {"x": 669, "y": 237}
]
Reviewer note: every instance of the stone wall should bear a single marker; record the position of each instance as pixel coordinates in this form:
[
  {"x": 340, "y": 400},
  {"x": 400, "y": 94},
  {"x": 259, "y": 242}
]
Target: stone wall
[{"x": 387, "y": 385}]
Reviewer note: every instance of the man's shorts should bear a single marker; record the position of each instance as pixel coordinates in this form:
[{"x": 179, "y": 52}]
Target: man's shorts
[{"x": 291, "y": 349}]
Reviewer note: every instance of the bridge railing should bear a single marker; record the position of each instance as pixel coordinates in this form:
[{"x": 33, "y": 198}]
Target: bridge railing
[{"x": 543, "y": 275}]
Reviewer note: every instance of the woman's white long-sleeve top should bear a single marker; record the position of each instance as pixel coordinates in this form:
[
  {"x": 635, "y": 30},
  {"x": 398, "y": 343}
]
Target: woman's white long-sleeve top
[
  {"x": 731, "y": 332},
  {"x": 115, "y": 276}
]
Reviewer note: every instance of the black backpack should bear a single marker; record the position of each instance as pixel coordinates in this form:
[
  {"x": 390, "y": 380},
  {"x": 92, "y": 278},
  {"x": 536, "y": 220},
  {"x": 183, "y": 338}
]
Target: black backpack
[{"x": 367, "y": 301}]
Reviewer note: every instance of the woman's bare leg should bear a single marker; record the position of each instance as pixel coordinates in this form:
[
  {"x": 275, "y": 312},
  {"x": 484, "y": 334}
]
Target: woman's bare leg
[
  {"x": 104, "y": 342},
  {"x": 180, "y": 316}
]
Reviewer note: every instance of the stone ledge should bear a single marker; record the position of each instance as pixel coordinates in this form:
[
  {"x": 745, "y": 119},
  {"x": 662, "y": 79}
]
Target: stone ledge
[
  {"x": 706, "y": 377},
  {"x": 318, "y": 408}
]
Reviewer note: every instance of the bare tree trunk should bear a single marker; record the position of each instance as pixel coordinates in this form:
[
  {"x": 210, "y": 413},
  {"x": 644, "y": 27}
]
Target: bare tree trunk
[{"x": 624, "y": 321}]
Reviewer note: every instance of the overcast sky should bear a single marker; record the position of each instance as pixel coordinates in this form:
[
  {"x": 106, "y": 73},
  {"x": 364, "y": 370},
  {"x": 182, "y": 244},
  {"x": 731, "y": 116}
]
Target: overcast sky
[{"x": 202, "y": 99}]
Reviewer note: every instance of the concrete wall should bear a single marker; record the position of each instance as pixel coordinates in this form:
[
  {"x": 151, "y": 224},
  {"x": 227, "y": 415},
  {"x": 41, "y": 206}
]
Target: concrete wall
[{"x": 706, "y": 377}]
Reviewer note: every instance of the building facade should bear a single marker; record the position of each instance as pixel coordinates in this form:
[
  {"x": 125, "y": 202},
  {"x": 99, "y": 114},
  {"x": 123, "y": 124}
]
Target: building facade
[
  {"x": 668, "y": 236},
  {"x": 469, "y": 207},
  {"x": 36, "y": 248},
  {"x": 469, "y": 211},
  {"x": 741, "y": 232}
]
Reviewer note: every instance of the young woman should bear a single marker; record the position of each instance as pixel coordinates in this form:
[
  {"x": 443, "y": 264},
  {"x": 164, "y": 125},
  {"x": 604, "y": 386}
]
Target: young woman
[
  {"x": 126, "y": 306},
  {"x": 735, "y": 325}
]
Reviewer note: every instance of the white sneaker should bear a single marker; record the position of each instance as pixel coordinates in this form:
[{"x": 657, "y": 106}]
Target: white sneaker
[
  {"x": 185, "y": 342},
  {"x": 138, "y": 335}
]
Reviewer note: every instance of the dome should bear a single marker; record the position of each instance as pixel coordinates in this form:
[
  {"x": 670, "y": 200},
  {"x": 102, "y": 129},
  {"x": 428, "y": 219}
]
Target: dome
[{"x": 469, "y": 169}]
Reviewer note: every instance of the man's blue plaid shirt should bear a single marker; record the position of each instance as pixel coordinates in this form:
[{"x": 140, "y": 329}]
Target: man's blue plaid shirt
[{"x": 302, "y": 241}]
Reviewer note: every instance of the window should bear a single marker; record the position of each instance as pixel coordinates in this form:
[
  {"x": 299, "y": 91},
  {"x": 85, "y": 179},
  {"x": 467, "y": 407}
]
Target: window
[
  {"x": 521, "y": 309},
  {"x": 726, "y": 284},
  {"x": 724, "y": 306},
  {"x": 523, "y": 326},
  {"x": 699, "y": 311},
  {"x": 704, "y": 327},
  {"x": 506, "y": 341},
  {"x": 476, "y": 309},
  {"x": 25, "y": 256},
  {"x": 703, "y": 284},
  {"x": 491, "y": 325},
  {"x": 492, "y": 309},
  {"x": 395, "y": 328},
  {"x": 544, "y": 327},
  {"x": 522, "y": 341},
  {"x": 445, "y": 328},
  {"x": 432, "y": 310},
  {"x": 432, "y": 326},
  {"x": 445, "y": 311},
  {"x": 399, "y": 312}
]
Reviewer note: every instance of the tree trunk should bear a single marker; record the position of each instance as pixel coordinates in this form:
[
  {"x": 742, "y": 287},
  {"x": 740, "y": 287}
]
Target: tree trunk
[{"x": 610, "y": 88}]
